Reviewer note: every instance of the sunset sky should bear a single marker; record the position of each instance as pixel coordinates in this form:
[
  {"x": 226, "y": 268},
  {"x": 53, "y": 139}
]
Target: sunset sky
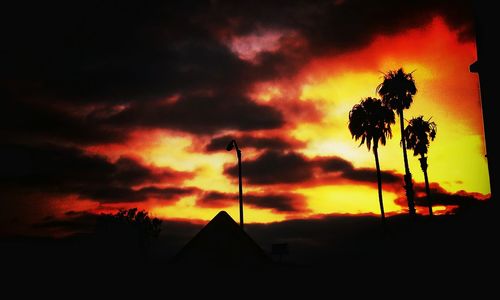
[{"x": 120, "y": 106}]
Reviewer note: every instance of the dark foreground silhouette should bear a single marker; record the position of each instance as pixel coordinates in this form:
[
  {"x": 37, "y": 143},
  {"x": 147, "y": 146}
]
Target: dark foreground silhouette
[{"x": 336, "y": 248}]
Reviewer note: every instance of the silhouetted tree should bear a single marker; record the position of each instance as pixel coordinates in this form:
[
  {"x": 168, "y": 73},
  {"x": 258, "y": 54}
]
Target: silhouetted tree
[
  {"x": 371, "y": 121},
  {"x": 418, "y": 135},
  {"x": 128, "y": 231},
  {"x": 397, "y": 91}
]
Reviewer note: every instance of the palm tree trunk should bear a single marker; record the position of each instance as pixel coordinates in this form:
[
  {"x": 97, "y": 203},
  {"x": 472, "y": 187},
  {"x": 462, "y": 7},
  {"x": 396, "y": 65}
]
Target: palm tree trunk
[
  {"x": 407, "y": 176},
  {"x": 379, "y": 182},
  {"x": 423, "y": 165}
]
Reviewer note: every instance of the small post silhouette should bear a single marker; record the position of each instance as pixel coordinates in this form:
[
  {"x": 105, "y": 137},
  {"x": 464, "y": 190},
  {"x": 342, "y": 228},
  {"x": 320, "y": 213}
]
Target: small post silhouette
[
  {"x": 280, "y": 250},
  {"x": 230, "y": 147}
]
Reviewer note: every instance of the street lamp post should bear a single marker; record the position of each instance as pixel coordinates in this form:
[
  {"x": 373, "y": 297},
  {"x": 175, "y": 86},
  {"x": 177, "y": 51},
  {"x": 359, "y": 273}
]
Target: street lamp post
[{"x": 230, "y": 147}]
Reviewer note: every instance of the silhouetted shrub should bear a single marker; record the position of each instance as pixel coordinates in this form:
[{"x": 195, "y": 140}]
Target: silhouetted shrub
[{"x": 128, "y": 232}]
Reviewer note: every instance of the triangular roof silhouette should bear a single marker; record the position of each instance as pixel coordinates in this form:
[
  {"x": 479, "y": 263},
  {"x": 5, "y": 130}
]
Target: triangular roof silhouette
[{"x": 222, "y": 243}]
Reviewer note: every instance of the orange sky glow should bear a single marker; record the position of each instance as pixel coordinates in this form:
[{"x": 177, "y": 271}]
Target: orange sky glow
[{"x": 447, "y": 92}]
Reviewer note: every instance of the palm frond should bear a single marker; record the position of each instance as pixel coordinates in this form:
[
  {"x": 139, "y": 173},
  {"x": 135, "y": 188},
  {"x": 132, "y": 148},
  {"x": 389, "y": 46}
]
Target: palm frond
[
  {"x": 371, "y": 121},
  {"x": 418, "y": 134},
  {"x": 397, "y": 89}
]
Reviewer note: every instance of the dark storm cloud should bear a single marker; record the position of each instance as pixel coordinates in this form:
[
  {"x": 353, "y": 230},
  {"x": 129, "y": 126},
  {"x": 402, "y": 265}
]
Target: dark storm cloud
[
  {"x": 83, "y": 52},
  {"x": 333, "y": 164},
  {"x": 348, "y": 171},
  {"x": 284, "y": 202},
  {"x": 90, "y": 52},
  {"x": 96, "y": 51},
  {"x": 278, "y": 202},
  {"x": 63, "y": 170},
  {"x": 367, "y": 19},
  {"x": 22, "y": 120},
  {"x": 273, "y": 167},
  {"x": 439, "y": 196},
  {"x": 216, "y": 199},
  {"x": 201, "y": 115},
  {"x": 343, "y": 25},
  {"x": 114, "y": 194},
  {"x": 219, "y": 143}
]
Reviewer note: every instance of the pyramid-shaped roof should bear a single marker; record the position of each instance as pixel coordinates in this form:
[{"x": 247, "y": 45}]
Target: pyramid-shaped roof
[{"x": 222, "y": 243}]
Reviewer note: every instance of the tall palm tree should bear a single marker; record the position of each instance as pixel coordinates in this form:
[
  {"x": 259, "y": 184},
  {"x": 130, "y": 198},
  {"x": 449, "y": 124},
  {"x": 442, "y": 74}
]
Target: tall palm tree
[
  {"x": 397, "y": 91},
  {"x": 418, "y": 135},
  {"x": 371, "y": 121}
]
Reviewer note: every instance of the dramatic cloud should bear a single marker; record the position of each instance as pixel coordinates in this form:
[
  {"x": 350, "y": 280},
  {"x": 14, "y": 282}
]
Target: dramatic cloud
[
  {"x": 333, "y": 164},
  {"x": 22, "y": 120},
  {"x": 216, "y": 199},
  {"x": 461, "y": 200},
  {"x": 219, "y": 143},
  {"x": 273, "y": 167},
  {"x": 342, "y": 24},
  {"x": 114, "y": 194},
  {"x": 286, "y": 202},
  {"x": 278, "y": 202},
  {"x": 63, "y": 170},
  {"x": 201, "y": 115},
  {"x": 123, "y": 53}
]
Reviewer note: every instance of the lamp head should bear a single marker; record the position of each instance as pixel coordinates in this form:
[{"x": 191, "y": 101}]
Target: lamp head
[{"x": 230, "y": 146}]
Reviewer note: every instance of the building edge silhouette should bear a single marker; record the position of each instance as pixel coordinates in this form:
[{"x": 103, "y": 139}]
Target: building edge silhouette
[{"x": 486, "y": 28}]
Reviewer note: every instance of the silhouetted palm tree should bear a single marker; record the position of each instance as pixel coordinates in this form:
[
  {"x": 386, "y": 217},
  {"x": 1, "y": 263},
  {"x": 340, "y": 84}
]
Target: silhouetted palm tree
[
  {"x": 371, "y": 121},
  {"x": 397, "y": 91},
  {"x": 418, "y": 135}
]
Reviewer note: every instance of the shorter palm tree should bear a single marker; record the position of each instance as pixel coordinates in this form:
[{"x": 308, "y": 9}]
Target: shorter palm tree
[
  {"x": 418, "y": 135},
  {"x": 371, "y": 121}
]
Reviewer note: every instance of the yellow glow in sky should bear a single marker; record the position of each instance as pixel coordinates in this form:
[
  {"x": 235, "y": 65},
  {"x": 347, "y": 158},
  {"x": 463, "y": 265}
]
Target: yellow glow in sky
[
  {"x": 447, "y": 92},
  {"x": 348, "y": 199},
  {"x": 187, "y": 209}
]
